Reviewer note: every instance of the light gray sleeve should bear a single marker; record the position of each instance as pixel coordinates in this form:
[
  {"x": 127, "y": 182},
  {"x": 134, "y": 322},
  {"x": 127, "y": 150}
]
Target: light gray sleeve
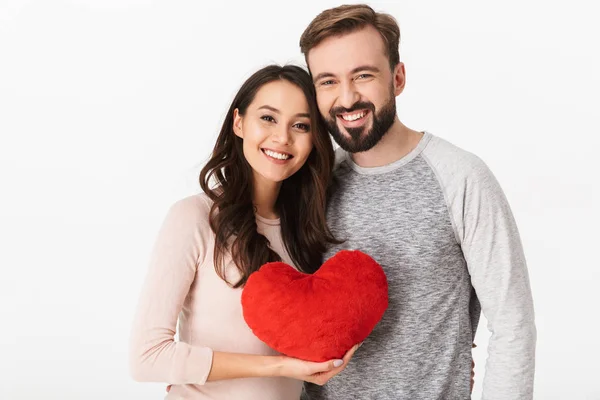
[{"x": 487, "y": 232}]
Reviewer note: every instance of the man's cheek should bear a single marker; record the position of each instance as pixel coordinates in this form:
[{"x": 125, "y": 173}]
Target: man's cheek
[
  {"x": 324, "y": 104},
  {"x": 324, "y": 111}
]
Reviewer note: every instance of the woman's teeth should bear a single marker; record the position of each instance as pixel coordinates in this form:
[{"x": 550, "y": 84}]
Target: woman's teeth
[
  {"x": 353, "y": 117},
  {"x": 279, "y": 156}
]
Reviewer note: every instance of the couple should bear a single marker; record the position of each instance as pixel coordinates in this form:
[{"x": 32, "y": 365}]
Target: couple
[{"x": 430, "y": 213}]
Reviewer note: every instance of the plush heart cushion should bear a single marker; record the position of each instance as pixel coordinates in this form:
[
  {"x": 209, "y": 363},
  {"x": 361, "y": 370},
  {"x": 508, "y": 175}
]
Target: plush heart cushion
[{"x": 316, "y": 317}]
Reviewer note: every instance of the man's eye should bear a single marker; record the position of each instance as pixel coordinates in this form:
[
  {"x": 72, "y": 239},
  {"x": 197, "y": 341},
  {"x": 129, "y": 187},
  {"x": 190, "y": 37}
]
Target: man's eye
[
  {"x": 327, "y": 83},
  {"x": 364, "y": 76},
  {"x": 267, "y": 118}
]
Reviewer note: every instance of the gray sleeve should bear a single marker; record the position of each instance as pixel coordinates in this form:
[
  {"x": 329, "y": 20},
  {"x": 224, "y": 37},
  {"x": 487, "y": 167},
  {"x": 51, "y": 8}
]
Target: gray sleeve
[{"x": 487, "y": 232}]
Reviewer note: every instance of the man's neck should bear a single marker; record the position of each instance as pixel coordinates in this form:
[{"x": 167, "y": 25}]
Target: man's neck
[{"x": 398, "y": 141}]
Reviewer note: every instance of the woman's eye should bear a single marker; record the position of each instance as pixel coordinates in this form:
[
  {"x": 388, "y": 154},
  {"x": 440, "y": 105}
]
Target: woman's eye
[
  {"x": 267, "y": 118},
  {"x": 303, "y": 127}
]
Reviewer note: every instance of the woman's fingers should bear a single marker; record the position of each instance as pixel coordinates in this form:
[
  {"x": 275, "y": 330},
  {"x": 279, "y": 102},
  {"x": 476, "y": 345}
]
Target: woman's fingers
[
  {"x": 336, "y": 364},
  {"x": 326, "y": 366},
  {"x": 322, "y": 377},
  {"x": 350, "y": 353}
]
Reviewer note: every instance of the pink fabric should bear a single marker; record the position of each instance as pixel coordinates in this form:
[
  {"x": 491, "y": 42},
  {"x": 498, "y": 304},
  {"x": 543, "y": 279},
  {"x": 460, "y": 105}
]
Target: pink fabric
[{"x": 182, "y": 284}]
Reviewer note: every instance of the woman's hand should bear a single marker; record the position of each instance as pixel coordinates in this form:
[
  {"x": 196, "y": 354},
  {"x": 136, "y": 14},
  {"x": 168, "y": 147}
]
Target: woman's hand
[
  {"x": 317, "y": 373},
  {"x": 229, "y": 366}
]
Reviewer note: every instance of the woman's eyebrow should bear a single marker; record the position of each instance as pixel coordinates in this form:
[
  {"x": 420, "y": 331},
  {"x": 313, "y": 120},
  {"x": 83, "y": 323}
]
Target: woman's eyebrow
[{"x": 267, "y": 107}]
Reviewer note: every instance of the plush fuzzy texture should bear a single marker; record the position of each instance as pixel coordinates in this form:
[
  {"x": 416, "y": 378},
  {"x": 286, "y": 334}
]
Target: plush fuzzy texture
[{"x": 316, "y": 317}]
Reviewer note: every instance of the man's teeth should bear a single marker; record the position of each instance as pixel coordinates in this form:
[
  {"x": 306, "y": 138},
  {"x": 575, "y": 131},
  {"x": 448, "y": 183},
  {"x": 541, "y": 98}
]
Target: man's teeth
[
  {"x": 353, "y": 117},
  {"x": 279, "y": 156}
]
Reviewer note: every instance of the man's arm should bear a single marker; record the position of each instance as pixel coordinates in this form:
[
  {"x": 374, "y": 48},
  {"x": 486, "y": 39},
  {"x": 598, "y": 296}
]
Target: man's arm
[{"x": 495, "y": 259}]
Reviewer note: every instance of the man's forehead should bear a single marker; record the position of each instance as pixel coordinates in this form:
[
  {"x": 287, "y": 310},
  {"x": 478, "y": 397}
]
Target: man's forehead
[{"x": 344, "y": 53}]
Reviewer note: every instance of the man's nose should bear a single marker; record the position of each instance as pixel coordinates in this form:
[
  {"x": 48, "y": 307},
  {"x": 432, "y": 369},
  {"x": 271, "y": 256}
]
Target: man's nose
[{"x": 348, "y": 96}]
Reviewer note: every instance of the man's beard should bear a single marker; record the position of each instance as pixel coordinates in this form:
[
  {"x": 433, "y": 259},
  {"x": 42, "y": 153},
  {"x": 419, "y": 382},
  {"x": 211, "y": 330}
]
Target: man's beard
[{"x": 358, "y": 140}]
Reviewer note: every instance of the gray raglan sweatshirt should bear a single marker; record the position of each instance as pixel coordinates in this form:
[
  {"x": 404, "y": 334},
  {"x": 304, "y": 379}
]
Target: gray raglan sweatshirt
[{"x": 440, "y": 226}]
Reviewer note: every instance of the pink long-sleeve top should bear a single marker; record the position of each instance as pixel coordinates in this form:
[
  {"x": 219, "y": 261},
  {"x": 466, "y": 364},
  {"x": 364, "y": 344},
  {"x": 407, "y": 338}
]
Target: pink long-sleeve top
[{"x": 182, "y": 285}]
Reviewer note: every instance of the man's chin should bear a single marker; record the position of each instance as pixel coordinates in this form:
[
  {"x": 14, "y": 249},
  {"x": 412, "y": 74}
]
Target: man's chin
[
  {"x": 353, "y": 140},
  {"x": 348, "y": 143},
  {"x": 364, "y": 142},
  {"x": 355, "y": 133}
]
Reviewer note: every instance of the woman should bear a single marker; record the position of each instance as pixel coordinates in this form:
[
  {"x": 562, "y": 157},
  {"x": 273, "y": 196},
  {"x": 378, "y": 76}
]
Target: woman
[{"x": 264, "y": 200}]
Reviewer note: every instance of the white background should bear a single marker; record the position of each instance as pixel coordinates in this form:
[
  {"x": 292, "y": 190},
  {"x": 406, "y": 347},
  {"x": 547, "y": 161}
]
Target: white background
[{"x": 108, "y": 108}]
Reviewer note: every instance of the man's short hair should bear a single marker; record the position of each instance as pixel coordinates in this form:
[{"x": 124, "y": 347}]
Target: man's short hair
[{"x": 350, "y": 18}]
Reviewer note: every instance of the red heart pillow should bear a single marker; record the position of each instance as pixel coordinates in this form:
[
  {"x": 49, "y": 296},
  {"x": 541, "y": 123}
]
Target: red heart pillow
[{"x": 316, "y": 317}]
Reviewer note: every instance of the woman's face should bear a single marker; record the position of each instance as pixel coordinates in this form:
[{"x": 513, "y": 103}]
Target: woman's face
[{"x": 276, "y": 131}]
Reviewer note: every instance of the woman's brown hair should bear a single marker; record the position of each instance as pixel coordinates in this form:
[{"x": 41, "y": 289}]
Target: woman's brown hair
[{"x": 301, "y": 201}]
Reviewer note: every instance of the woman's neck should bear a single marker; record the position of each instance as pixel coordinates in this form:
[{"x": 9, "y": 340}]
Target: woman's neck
[{"x": 265, "y": 196}]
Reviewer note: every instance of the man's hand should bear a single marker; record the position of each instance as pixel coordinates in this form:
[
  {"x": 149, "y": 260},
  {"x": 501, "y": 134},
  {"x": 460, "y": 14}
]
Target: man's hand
[
  {"x": 473, "y": 370},
  {"x": 472, "y": 375}
]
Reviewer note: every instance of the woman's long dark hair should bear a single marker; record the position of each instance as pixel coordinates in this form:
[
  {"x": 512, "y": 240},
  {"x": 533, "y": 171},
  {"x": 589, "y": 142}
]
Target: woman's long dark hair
[{"x": 301, "y": 201}]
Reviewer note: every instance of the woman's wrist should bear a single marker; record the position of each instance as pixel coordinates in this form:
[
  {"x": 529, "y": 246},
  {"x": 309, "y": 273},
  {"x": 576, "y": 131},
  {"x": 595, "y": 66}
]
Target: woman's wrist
[
  {"x": 237, "y": 365},
  {"x": 273, "y": 366}
]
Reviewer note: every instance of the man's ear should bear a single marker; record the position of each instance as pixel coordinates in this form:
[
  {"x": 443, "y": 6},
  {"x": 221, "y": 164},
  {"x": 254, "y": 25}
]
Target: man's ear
[
  {"x": 399, "y": 78},
  {"x": 237, "y": 123}
]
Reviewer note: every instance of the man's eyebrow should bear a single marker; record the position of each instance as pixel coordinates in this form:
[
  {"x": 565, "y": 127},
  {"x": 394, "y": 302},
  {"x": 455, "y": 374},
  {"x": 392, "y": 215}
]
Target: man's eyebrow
[
  {"x": 369, "y": 68},
  {"x": 273, "y": 109},
  {"x": 323, "y": 75}
]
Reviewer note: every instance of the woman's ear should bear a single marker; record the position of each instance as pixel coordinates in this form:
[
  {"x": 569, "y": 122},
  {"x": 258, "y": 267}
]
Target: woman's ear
[{"x": 237, "y": 123}]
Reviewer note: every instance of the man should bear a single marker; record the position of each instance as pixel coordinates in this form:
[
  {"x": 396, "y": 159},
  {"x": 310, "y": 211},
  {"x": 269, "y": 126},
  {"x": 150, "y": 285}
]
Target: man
[{"x": 431, "y": 214}]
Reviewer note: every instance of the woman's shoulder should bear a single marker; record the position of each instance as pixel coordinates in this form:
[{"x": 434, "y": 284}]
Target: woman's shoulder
[{"x": 194, "y": 209}]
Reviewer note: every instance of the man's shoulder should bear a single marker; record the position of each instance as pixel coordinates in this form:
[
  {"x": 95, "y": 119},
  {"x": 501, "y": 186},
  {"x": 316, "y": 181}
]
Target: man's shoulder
[
  {"x": 450, "y": 160},
  {"x": 442, "y": 150},
  {"x": 340, "y": 156},
  {"x": 342, "y": 164},
  {"x": 446, "y": 159}
]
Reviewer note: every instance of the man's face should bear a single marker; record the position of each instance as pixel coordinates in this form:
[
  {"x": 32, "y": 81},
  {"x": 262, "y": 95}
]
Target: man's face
[{"x": 356, "y": 90}]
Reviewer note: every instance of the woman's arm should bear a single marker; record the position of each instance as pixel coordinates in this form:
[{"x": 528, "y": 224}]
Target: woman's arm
[
  {"x": 230, "y": 366},
  {"x": 181, "y": 244},
  {"x": 155, "y": 356}
]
